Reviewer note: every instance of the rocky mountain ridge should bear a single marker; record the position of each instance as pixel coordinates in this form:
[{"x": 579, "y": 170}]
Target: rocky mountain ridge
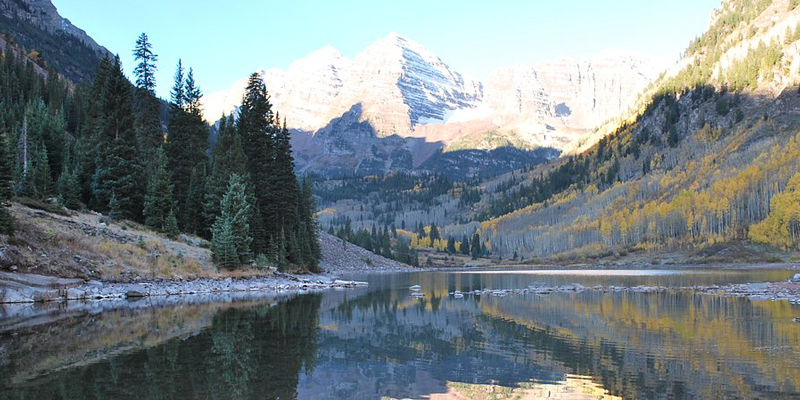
[
  {"x": 37, "y": 26},
  {"x": 418, "y": 104}
]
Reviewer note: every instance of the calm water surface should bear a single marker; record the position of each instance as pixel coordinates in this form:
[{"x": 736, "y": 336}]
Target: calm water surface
[{"x": 379, "y": 342}]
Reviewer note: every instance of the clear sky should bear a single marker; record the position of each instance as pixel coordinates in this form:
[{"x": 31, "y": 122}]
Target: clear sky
[{"x": 226, "y": 40}]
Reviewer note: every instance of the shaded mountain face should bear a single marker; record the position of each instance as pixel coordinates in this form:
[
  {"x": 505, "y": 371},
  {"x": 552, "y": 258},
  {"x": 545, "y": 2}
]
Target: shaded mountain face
[
  {"x": 37, "y": 26},
  {"x": 418, "y": 106}
]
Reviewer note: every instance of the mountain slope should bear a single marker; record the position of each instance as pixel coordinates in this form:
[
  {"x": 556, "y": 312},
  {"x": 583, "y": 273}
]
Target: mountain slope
[
  {"x": 37, "y": 26},
  {"x": 405, "y": 93},
  {"x": 701, "y": 162}
]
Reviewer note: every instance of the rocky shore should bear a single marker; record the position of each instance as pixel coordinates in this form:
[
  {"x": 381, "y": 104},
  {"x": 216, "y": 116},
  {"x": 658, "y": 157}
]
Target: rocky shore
[
  {"x": 789, "y": 290},
  {"x": 29, "y": 288}
]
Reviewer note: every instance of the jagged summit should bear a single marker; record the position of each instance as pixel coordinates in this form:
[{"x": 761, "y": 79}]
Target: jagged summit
[{"x": 403, "y": 88}]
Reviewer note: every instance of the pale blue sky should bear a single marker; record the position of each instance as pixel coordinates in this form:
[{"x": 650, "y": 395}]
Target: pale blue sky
[{"x": 227, "y": 40}]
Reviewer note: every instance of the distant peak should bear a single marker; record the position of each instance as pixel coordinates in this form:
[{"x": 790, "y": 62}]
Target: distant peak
[
  {"x": 395, "y": 40},
  {"x": 325, "y": 53}
]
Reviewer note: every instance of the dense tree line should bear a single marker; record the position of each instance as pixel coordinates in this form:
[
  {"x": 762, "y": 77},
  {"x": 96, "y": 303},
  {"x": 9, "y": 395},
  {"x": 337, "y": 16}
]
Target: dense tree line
[
  {"x": 104, "y": 147},
  {"x": 383, "y": 241}
]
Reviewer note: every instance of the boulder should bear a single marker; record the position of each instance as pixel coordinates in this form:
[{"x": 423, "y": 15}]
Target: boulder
[{"x": 134, "y": 294}]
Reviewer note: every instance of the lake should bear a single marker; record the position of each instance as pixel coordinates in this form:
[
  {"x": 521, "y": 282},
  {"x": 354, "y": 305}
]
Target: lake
[{"x": 379, "y": 342}]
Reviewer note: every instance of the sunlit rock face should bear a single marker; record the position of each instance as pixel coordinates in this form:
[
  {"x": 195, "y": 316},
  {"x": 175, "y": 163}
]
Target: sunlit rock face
[
  {"x": 564, "y": 98},
  {"x": 406, "y": 93}
]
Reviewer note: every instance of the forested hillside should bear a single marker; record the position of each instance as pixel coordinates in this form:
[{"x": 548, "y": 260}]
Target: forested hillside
[
  {"x": 103, "y": 147},
  {"x": 708, "y": 157}
]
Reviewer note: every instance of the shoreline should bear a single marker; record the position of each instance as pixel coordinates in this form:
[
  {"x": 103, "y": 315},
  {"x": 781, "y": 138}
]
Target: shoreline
[
  {"x": 22, "y": 288},
  {"x": 19, "y": 288}
]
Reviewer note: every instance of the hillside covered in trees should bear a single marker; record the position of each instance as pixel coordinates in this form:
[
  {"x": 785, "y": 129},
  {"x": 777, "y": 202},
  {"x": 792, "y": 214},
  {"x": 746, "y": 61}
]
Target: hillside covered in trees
[
  {"x": 709, "y": 157},
  {"x": 107, "y": 147}
]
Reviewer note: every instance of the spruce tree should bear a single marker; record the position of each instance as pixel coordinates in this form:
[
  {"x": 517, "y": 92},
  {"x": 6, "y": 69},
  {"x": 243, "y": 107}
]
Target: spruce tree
[
  {"x": 285, "y": 180},
  {"x": 465, "y": 246},
  {"x": 476, "y": 246},
  {"x": 255, "y": 126},
  {"x": 88, "y": 144},
  {"x": 306, "y": 215},
  {"x": 41, "y": 177},
  {"x": 187, "y": 139},
  {"x": 235, "y": 216},
  {"x": 69, "y": 189},
  {"x": 434, "y": 235},
  {"x": 145, "y": 70},
  {"x": 158, "y": 203},
  {"x": 227, "y": 159},
  {"x": 6, "y": 192},
  {"x": 148, "y": 120},
  {"x": 118, "y": 166},
  {"x": 451, "y": 246},
  {"x": 193, "y": 208},
  {"x": 223, "y": 245},
  {"x": 171, "y": 225}
]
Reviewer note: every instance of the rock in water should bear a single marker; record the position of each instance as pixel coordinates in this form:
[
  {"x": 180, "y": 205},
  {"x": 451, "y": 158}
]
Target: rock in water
[
  {"x": 795, "y": 278},
  {"x": 134, "y": 294},
  {"x": 416, "y": 288}
]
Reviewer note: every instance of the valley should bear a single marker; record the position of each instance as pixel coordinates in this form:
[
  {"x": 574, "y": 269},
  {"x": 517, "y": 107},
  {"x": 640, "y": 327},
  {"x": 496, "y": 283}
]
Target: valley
[{"x": 368, "y": 220}]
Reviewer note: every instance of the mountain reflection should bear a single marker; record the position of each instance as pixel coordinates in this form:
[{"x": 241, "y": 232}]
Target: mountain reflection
[{"x": 379, "y": 342}]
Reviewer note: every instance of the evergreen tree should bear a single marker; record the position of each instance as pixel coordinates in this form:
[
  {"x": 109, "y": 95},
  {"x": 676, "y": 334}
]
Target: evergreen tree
[
  {"x": 434, "y": 233},
  {"x": 451, "y": 245},
  {"x": 193, "y": 209},
  {"x": 114, "y": 212},
  {"x": 145, "y": 70},
  {"x": 171, "y": 225},
  {"x": 187, "y": 139},
  {"x": 476, "y": 246},
  {"x": 306, "y": 215},
  {"x": 6, "y": 221},
  {"x": 255, "y": 126},
  {"x": 69, "y": 189},
  {"x": 465, "y": 246},
  {"x": 118, "y": 166},
  {"x": 227, "y": 159},
  {"x": 158, "y": 203},
  {"x": 285, "y": 181},
  {"x": 177, "y": 95},
  {"x": 235, "y": 217},
  {"x": 148, "y": 121},
  {"x": 223, "y": 245},
  {"x": 41, "y": 176}
]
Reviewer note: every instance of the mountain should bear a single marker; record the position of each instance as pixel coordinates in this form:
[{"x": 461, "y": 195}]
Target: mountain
[
  {"x": 707, "y": 161},
  {"x": 417, "y": 107},
  {"x": 37, "y": 26},
  {"x": 703, "y": 167}
]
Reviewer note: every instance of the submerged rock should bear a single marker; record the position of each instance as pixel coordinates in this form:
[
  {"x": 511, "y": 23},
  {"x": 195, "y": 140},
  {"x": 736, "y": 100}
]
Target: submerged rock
[{"x": 134, "y": 294}]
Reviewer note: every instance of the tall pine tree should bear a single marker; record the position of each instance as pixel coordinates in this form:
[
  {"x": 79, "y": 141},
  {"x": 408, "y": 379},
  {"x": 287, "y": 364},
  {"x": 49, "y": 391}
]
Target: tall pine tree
[
  {"x": 119, "y": 168},
  {"x": 228, "y": 159},
  {"x": 6, "y": 192},
  {"x": 187, "y": 138},
  {"x": 148, "y": 121},
  {"x": 158, "y": 203},
  {"x": 234, "y": 221},
  {"x": 256, "y": 128}
]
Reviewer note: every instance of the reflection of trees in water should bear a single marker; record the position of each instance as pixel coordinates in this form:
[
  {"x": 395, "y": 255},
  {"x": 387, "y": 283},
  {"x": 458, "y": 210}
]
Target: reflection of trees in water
[
  {"x": 636, "y": 345},
  {"x": 251, "y": 353}
]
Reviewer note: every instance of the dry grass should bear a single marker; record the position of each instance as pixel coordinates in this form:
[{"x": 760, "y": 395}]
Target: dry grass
[{"x": 79, "y": 245}]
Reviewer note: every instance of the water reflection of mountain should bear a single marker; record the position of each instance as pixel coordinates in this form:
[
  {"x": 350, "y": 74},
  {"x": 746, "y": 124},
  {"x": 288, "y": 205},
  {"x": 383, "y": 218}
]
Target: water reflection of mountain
[
  {"x": 378, "y": 341},
  {"x": 671, "y": 345}
]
